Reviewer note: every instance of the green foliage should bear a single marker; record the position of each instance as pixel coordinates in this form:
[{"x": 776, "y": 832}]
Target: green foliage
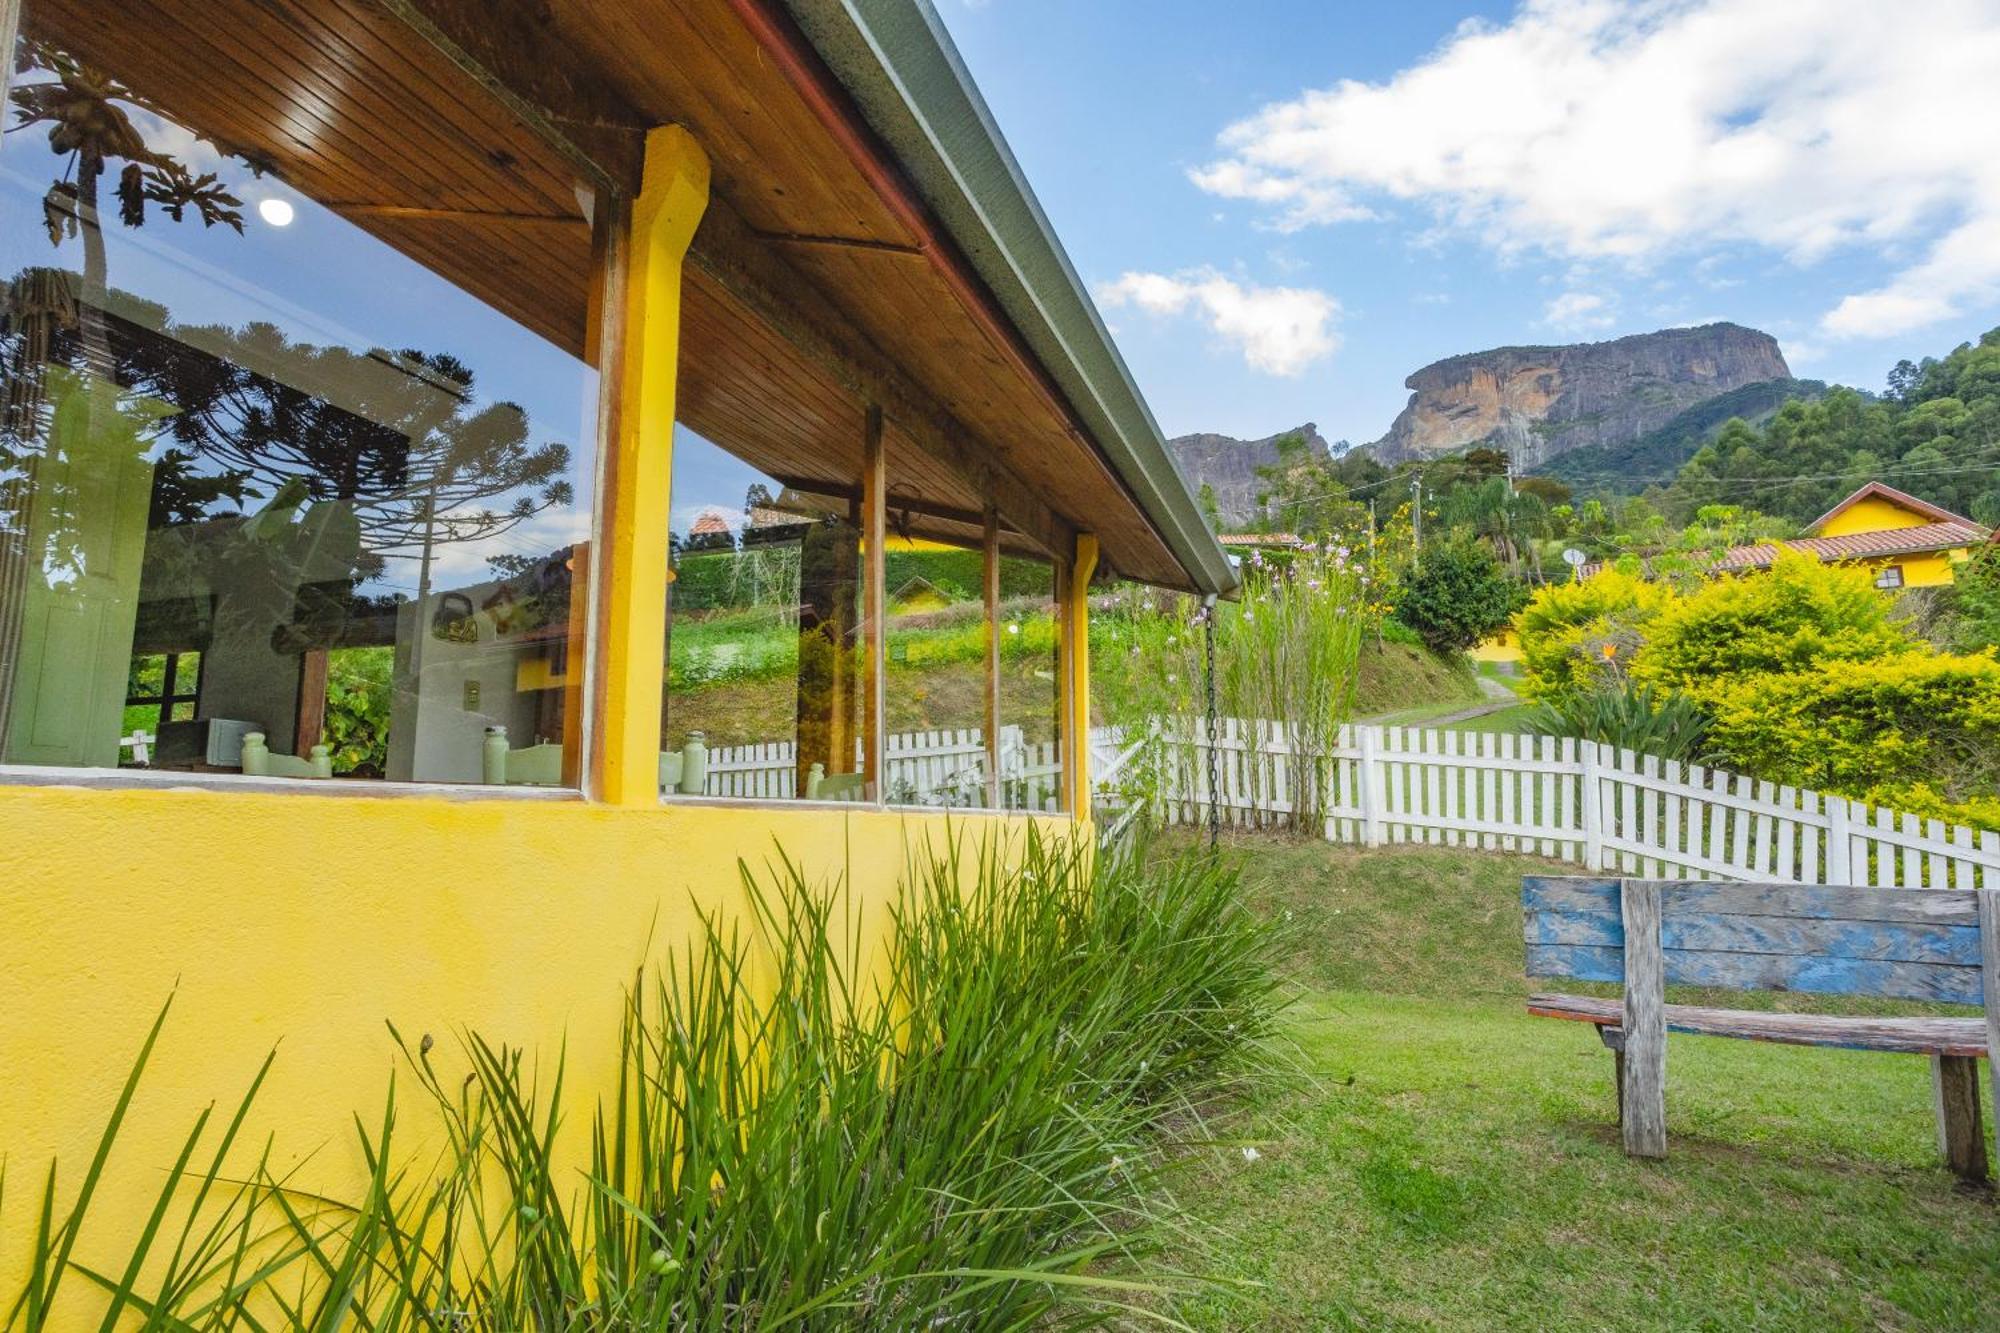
[
  {"x": 1456, "y": 597},
  {"x": 1630, "y": 717},
  {"x": 1655, "y": 457},
  {"x": 1858, "y": 725},
  {"x": 964, "y": 1132},
  {"x": 1575, "y": 637},
  {"x": 1976, "y": 601},
  {"x": 358, "y": 699},
  {"x": 1285, "y": 655},
  {"x": 1935, "y": 437},
  {"x": 1796, "y": 616}
]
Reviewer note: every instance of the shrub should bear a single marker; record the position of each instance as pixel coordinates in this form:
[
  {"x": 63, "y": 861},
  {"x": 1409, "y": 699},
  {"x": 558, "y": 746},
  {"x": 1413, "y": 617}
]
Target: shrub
[
  {"x": 1578, "y": 636},
  {"x": 964, "y": 1133},
  {"x": 1792, "y": 618},
  {"x": 1853, "y": 726},
  {"x": 1630, "y": 717},
  {"x": 1457, "y": 596}
]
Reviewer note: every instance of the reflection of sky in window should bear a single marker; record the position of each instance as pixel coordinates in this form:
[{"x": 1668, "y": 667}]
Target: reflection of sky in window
[{"x": 324, "y": 281}]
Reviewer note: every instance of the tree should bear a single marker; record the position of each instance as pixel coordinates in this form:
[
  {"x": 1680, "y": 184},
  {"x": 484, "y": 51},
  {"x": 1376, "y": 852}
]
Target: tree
[
  {"x": 1459, "y": 596},
  {"x": 1211, "y": 508},
  {"x": 1302, "y": 492}
]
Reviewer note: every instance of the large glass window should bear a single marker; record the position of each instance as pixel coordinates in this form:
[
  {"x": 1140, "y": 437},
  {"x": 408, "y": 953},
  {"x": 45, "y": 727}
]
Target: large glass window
[
  {"x": 765, "y": 645},
  {"x": 274, "y": 495},
  {"x": 1031, "y": 759}
]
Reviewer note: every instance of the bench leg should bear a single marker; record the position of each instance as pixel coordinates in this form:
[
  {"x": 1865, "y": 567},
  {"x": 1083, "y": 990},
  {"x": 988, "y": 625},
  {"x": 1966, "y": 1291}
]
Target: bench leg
[{"x": 1961, "y": 1139}]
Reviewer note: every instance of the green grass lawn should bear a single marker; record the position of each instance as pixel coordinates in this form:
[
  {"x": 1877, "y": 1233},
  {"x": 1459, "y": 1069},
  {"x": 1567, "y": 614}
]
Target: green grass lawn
[{"x": 1447, "y": 1162}]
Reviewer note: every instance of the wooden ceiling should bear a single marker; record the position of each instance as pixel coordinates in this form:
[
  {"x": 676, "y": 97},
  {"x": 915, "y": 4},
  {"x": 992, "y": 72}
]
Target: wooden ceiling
[{"x": 460, "y": 131}]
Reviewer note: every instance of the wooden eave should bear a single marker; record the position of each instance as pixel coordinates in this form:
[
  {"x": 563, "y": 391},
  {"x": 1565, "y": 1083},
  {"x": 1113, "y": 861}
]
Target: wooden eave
[{"x": 470, "y": 136}]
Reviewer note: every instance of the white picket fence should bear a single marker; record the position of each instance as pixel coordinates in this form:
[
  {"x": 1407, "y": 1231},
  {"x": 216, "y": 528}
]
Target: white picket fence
[
  {"x": 940, "y": 768},
  {"x": 1604, "y": 808}
]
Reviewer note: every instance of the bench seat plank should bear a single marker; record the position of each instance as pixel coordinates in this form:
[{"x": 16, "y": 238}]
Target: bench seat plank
[
  {"x": 1919, "y": 1036},
  {"x": 1939, "y": 907}
]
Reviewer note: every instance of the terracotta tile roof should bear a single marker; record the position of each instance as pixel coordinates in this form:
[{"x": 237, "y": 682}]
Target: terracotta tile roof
[
  {"x": 1280, "y": 539},
  {"x": 1945, "y": 536},
  {"x": 710, "y": 522},
  {"x": 1864, "y": 545}
]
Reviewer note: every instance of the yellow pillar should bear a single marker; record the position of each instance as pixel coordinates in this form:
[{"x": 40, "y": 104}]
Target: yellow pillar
[
  {"x": 672, "y": 196},
  {"x": 1076, "y": 675}
]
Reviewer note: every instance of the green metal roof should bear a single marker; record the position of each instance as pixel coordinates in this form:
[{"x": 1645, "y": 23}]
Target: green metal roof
[{"x": 897, "y": 62}]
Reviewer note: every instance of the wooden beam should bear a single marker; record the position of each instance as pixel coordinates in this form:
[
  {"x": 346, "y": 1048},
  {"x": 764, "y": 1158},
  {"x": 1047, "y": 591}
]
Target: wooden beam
[
  {"x": 776, "y": 293},
  {"x": 518, "y": 55},
  {"x": 1073, "y": 598},
  {"x": 990, "y": 583},
  {"x": 632, "y": 560},
  {"x": 874, "y": 602},
  {"x": 1643, "y": 1086},
  {"x": 311, "y": 721}
]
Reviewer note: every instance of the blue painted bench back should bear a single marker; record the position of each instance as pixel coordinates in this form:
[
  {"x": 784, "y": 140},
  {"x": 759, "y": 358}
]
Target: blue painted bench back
[{"x": 1911, "y": 944}]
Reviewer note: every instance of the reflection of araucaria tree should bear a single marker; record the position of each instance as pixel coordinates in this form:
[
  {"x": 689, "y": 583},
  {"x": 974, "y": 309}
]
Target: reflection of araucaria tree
[{"x": 397, "y": 437}]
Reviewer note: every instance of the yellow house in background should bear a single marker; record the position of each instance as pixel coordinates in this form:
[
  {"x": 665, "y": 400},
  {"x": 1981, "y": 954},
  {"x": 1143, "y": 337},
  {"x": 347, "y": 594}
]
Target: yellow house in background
[
  {"x": 1906, "y": 542},
  {"x": 1909, "y": 543}
]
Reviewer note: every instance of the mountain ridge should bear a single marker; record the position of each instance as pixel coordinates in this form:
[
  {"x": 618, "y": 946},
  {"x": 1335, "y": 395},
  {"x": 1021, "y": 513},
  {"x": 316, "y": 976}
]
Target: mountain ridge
[{"x": 1540, "y": 401}]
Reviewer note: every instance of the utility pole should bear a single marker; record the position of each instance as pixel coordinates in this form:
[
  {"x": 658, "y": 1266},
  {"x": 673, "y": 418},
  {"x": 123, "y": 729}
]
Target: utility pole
[
  {"x": 1372, "y": 580},
  {"x": 1416, "y": 521}
]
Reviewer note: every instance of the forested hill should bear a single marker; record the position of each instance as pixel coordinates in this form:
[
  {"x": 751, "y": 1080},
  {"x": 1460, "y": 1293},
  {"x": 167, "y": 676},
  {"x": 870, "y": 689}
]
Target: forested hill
[
  {"x": 1935, "y": 434},
  {"x": 1629, "y": 466}
]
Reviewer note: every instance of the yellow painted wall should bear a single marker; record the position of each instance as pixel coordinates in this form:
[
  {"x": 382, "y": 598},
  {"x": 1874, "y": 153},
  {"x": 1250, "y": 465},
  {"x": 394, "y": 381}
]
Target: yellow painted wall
[
  {"x": 1874, "y": 514},
  {"x": 1928, "y": 570},
  {"x": 307, "y": 921},
  {"x": 1502, "y": 647}
]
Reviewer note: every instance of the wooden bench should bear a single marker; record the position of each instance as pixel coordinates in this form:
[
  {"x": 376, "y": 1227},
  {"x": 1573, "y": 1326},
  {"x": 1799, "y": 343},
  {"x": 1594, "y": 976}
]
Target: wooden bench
[{"x": 1910, "y": 944}]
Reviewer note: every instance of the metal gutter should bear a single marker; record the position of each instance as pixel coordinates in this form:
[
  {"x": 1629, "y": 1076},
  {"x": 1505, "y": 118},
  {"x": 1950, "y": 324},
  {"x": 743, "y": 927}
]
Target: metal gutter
[{"x": 897, "y": 63}]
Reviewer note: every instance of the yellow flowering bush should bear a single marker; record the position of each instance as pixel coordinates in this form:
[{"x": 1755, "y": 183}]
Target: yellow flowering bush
[
  {"x": 1863, "y": 726},
  {"x": 1576, "y": 637},
  {"x": 1792, "y": 618}
]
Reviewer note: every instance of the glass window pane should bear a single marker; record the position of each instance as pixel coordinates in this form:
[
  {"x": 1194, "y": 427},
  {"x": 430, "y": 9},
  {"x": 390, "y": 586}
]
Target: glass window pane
[
  {"x": 1030, "y": 689},
  {"x": 936, "y": 683},
  {"x": 346, "y": 499},
  {"x": 764, "y": 643}
]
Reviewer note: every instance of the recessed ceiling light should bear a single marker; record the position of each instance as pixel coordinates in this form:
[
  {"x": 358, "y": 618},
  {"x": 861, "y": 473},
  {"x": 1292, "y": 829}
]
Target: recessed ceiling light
[{"x": 277, "y": 212}]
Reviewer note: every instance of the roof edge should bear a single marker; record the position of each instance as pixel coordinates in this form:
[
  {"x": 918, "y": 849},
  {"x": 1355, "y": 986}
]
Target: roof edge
[
  {"x": 1882, "y": 490},
  {"x": 898, "y": 63}
]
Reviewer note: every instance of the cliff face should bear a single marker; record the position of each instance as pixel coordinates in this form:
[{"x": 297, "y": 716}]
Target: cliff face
[
  {"x": 1230, "y": 466},
  {"x": 1538, "y": 402}
]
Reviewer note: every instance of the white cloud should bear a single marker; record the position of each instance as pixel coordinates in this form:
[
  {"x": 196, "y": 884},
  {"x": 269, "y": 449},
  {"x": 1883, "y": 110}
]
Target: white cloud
[
  {"x": 1574, "y": 311},
  {"x": 1281, "y": 330},
  {"x": 1601, "y": 129}
]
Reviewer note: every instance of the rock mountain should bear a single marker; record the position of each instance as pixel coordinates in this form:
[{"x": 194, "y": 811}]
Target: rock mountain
[
  {"x": 1230, "y": 466},
  {"x": 1539, "y": 402}
]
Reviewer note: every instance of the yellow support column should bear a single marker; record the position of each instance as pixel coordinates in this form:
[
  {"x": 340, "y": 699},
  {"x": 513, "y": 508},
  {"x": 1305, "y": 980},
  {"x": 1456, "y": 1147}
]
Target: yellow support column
[
  {"x": 633, "y": 566},
  {"x": 1076, "y": 676}
]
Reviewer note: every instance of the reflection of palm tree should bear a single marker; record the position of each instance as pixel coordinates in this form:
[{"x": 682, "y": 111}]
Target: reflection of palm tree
[{"x": 90, "y": 129}]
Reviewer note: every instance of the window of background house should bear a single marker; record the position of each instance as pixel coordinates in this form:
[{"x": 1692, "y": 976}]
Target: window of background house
[
  {"x": 262, "y": 472},
  {"x": 765, "y": 649},
  {"x": 1889, "y": 576}
]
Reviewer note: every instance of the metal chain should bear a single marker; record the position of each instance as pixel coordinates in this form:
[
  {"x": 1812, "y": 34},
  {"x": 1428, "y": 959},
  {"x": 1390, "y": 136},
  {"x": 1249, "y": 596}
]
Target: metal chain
[{"x": 1214, "y": 750}]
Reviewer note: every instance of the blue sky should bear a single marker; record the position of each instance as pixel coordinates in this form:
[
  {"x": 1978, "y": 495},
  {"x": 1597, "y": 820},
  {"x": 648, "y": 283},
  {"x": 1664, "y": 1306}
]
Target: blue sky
[{"x": 1286, "y": 206}]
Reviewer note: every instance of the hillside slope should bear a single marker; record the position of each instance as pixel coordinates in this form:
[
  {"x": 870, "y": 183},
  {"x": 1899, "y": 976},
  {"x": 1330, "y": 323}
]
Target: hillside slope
[{"x": 1628, "y": 467}]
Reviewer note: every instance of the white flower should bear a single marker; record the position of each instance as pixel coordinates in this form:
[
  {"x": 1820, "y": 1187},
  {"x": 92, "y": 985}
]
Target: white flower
[
  {"x": 1251, "y": 1154},
  {"x": 1013, "y": 629}
]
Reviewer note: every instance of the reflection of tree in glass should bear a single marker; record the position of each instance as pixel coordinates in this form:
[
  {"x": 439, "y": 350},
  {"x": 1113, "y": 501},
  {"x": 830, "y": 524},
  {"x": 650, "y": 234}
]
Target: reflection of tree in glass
[{"x": 397, "y": 436}]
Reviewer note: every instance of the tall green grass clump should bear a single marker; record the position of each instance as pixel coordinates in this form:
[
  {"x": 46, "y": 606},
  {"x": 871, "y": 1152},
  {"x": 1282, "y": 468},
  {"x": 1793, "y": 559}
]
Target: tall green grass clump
[
  {"x": 1286, "y": 660},
  {"x": 963, "y": 1128}
]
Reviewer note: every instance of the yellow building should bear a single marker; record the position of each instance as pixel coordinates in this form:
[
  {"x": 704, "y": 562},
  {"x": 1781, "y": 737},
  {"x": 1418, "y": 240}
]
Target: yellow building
[
  {"x": 1907, "y": 542},
  {"x": 339, "y": 679}
]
